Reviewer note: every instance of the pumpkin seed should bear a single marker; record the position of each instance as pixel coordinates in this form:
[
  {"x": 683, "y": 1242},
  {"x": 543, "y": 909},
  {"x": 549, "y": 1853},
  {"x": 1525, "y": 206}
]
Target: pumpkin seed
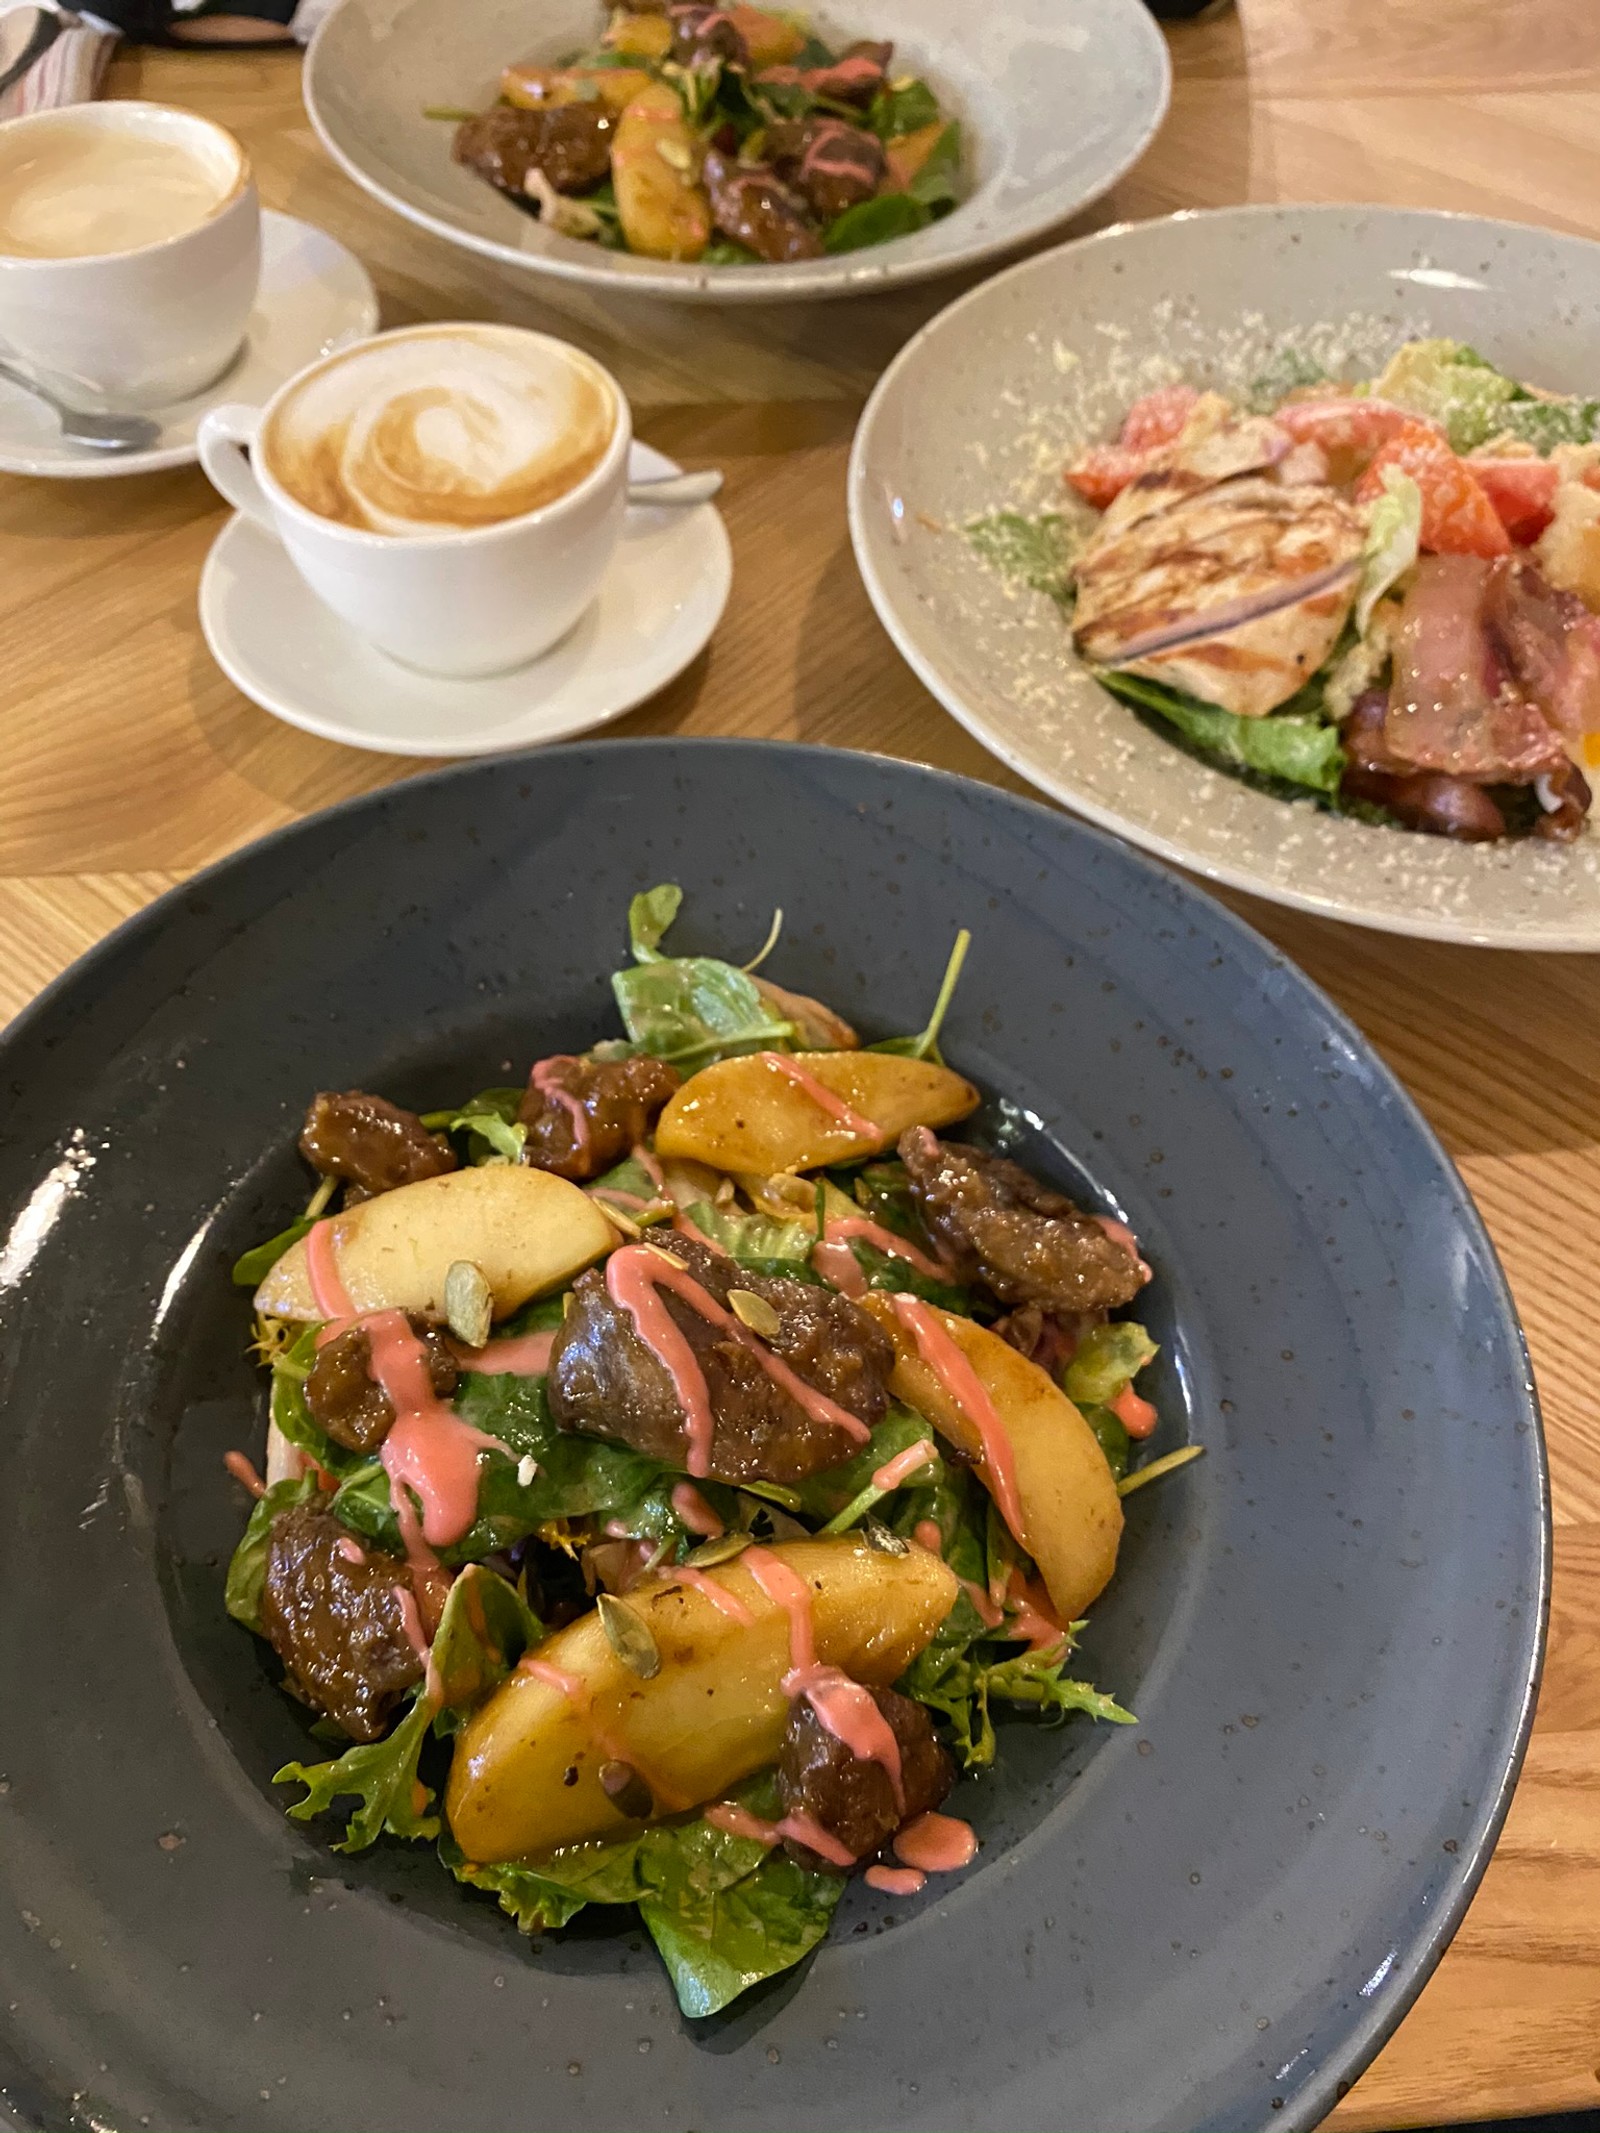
[
  {"x": 754, "y": 1311},
  {"x": 877, "y": 1535},
  {"x": 675, "y": 155},
  {"x": 627, "y": 1791},
  {"x": 721, "y": 1550},
  {"x": 629, "y": 1636},
  {"x": 468, "y": 1303},
  {"x": 671, "y": 1258}
]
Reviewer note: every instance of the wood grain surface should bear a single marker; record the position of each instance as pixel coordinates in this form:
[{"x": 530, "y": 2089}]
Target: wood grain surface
[{"x": 129, "y": 762}]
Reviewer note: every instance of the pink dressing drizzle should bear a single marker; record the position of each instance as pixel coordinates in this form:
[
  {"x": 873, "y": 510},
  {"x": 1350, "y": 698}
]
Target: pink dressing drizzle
[
  {"x": 429, "y": 1578},
  {"x": 962, "y": 1383},
  {"x": 411, "y": 1619},
  {"x": 526, "y": 1357},
  {"x": 1033, "y": 1619},
  {"x": 353, "y": 1552},
  {"x": 839, "y": 1268},
  {"x": 702, "y": 1582},
  {"x": 938, "y": 1844},
  {"x": 695, "y": 1513},
  {"x": 646, "y": 1160},
  {"x": 822, "y": 1096},
  {"x": 846, "y": 1226},
  {"x": 904, "y": 1464},
  {"x": 927, "y": 1535},
  {"x": 543, "y": 1078},
  {"x": 612, "y": 1196},
  {"x": 1135, "y": 1413},
  {"x": 895, "y": 1880},
  {"x": 429, "y": 1448},
  {"x": 788, "y": 1590},
  {"x": 242, "y": 1471},
  {"x": 329, "y": 1296},
  {"x": 576, "y": 1691},
  {"x": 738, "y": 1821},
  {"x": 634, "y": 1275}
]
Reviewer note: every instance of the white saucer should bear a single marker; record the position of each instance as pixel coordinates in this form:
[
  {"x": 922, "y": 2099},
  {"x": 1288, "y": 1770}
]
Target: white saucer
[
  {"x": 315, "y": 296},
  {"x": 662, "y": 598}
]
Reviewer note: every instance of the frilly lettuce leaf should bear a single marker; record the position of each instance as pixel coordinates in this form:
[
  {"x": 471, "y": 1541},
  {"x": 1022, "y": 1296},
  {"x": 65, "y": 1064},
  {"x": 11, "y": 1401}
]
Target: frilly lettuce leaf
[
  {"x": 1106, "y": 1361},
  {"x": 483, "y": 1632},
  {"x": 1394, "y": 535},
  {"x": 490, "y": 1122}
]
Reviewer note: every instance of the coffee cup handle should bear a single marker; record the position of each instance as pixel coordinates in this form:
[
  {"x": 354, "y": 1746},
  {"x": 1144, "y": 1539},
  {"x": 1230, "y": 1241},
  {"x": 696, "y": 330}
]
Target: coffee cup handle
[{"x": 225, "y": 434}]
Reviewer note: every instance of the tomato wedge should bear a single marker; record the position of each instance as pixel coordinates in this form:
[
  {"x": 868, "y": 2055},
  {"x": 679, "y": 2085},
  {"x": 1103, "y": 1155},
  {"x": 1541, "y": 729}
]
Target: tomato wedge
[
  {"x": 1457, "y": 516},
  {"x": 1158, "y": 418},
  {"x": 1102, "y": 473},
  {"x": 1523, "y": 492}
]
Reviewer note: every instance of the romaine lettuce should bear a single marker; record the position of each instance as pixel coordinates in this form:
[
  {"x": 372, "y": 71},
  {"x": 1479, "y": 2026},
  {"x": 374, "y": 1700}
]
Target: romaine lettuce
[
  {"x": 1106, "y": 1362},
  {"x": 1450, "y": 385},
  {"x": 1394, "y": 535},
  {"x": 1285, "y": 748}
]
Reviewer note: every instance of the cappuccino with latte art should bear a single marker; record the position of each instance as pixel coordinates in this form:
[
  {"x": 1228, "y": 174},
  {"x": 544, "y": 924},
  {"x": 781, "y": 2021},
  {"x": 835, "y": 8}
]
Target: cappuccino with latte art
[{"x": 441, "y": 430}]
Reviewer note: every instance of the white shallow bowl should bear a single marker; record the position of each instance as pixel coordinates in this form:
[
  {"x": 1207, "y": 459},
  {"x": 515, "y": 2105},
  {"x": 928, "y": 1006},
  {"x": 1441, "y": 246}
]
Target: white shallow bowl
[
  {"x": 1057, "y": 98},
  {"x": 981, "y": 411}
]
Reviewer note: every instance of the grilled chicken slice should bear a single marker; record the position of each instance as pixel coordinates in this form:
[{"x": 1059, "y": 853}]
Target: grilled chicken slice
[{"x": 1235, "y": 592}]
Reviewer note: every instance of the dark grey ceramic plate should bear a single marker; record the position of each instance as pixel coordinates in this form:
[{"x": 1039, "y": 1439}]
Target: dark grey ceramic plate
[{"x": 1330, "y": 1627}]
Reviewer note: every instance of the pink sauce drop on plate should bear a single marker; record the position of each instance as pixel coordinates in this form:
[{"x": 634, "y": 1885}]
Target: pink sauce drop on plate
[
  {"x": 895, "y": 1880},
  {"x": 966, "y": 1389},
  {"x": 938, "y": 1844},
  {"x": 1135, "y": 1413}
]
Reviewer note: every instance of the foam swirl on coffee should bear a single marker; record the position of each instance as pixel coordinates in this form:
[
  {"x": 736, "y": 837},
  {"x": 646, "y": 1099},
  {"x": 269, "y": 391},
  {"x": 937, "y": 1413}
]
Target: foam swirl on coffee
[{"x": 442, "y": 430}]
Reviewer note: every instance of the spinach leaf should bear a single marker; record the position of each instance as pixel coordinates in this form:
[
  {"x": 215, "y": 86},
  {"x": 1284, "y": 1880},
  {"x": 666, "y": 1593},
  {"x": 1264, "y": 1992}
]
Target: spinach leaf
[
  {"x": 253, "y": 1267},
  {"x": 902, "y": 107},
  {"x": 1106, "y": 1362},
  {"x": 937, "y": 185},
  {"x": 900, "y": 1278},
  {"x": 688, "y": 1010},
  {"x": 1035, "y": 551},
  {"x": 247, "y": 1573},
  {"x": 381, "y": 1775},
  {"x": 717, "y": 1942},
  {"x": 291, "y": 1414},
  {"x": 1288, "y": 749},
  {"x": 484, "y": 1630},
  {"x": 883, "y": 1191},
  {"x": 827, "y": 1495},
  {"x": 961, "y": 1683},
  {"x": 876, "y": 222}
]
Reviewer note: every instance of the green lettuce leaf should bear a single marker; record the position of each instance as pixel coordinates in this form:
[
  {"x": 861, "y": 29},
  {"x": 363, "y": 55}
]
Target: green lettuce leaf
[
  {"x": 876, "y": 221},
  {"x": 763, "y": 1243},
  {"x": 1289, "y": 370},
  {"x": 1106, "y": 1362},
  {"x": 1546, "y": 423},
  {"x": 1036, "y": 551},
  {"x": 537, "y": 1904},
  {"x": 293, "y": 1417},
  {"x": 901, "y": 108},
  {"x": 1394, "y": 536},
  {"x": 827, "y": 1495},
  {"x": 247, "y": 1572},
  {"x": 925, "y": 1044},
  {"x": 937, "y": 185},
  {"x": 1113, "y": 1437},
  {"x": 1450, "y": 385},
  {"x": 688, "y": 1010},
  {"x": 718, "y": 1942},
  {"x": 884, "y": 1270},
  {"x": 1286, "y": 749},
  {"x": 253, "y": 1267},
  {"x": 490, "y": 1123}
]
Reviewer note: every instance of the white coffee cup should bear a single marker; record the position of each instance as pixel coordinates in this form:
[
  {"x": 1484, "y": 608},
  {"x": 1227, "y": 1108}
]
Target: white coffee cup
[
  {"x": 416, "y": 560},
  {"x": 130, "y": 251}
]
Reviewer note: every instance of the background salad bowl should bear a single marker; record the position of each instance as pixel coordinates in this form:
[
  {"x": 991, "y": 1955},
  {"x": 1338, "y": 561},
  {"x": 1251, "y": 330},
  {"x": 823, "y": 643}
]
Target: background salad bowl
[
  {"x": 1057, "y": 98},
  {"x": 1329, "y": 1627},
  {"x": 980, "y": 413}
]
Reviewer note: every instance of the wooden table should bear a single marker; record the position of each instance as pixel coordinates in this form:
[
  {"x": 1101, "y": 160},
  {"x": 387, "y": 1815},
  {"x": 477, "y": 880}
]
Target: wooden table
[{"x": 129, "y": 761}]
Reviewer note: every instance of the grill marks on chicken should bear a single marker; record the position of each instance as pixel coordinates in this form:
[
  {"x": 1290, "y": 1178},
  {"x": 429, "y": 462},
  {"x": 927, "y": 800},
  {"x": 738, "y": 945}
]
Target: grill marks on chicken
[
  {"x": 1024, "y": 1242},
  {"x": 606, "y": 1381},
  {"x": 331, "y": 1611},
  {"x": 373, "y": 1145}
]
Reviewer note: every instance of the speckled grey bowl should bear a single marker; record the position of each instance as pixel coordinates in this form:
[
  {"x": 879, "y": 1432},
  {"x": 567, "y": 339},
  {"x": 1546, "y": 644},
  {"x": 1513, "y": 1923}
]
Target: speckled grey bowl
[
  {"x": 1058, "y": 98},
  {"x": 982, "y": 409}
]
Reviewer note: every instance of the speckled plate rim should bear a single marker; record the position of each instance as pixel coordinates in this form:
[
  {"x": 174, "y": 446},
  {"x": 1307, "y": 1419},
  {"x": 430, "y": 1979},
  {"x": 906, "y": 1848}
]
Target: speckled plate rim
[
  {"x": 850, "y": 275},
  {"x": 1412, "y": 1968},
  {"x": 1419, "y": 926}
]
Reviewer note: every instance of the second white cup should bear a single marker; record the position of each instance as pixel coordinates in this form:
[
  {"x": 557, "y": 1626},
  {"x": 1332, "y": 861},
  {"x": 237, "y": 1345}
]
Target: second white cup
[{"x": 454, "y": 493}]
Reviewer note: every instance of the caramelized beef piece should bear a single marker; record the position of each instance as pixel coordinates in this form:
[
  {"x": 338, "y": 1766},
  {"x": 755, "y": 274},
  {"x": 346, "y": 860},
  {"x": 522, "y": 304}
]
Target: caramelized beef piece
[
  {"x": 856, "y": 75},
  {"x": 707, "y": 33},
  {"x": 336, "y": 1622},
  {"x": 832, "y": 165},
  {"x": 750, "y": 204},
  {"x": 1564, "y": 799},
  {"x": 346, "y": 1402},
  {"x": 621, "y": 1099},
  {"x": 854, "y": 1800},
  {"x": 604, "y": 1379},
  {"x": 371, "y": 1144},
  {"x": 570, "y": 144},
  {"x": 1000, "y": 1226},
  {"x": 1430, "y": 800}
]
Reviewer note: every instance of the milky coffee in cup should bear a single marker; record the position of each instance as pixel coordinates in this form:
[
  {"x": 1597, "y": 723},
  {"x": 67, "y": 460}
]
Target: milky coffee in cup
[
  {"x": 441, "y": 430},
  {"x": 79, "y": 189}
]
